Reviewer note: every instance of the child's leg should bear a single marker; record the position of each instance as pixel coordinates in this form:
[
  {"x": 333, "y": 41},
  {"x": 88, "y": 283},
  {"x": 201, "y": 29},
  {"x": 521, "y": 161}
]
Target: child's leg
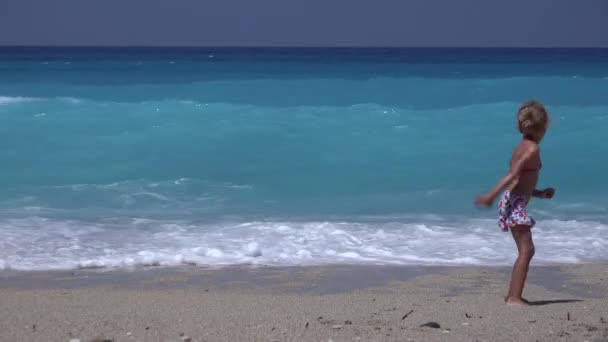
[
  {"x": 518, "y": 244},
  {"x": 523, "y": 238}
]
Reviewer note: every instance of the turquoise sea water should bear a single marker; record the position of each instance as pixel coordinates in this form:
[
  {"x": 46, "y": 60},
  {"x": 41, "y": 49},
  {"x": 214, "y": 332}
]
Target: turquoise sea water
[{"x": 121, "y": 157}]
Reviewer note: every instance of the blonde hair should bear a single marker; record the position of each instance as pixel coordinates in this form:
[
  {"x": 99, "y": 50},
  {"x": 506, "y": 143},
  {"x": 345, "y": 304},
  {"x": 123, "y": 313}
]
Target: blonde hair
[{"x": 532, "y": 118}]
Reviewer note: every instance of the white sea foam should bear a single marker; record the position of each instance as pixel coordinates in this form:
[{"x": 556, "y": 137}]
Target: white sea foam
[
  {"x": 71, "y": 100},
  {"x": 44, "y": 244},
  {"x": 5, "y": 100}
]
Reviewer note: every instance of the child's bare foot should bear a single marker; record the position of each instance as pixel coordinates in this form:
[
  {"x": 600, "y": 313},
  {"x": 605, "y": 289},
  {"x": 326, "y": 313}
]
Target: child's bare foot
[
  {"x": 516, "y": 301},
  {"x": 524, "y": 299}
]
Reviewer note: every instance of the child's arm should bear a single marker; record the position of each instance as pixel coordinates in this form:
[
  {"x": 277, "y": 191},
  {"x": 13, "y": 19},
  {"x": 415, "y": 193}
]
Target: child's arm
[
  {"x": 547, "y": 193},
  {"x": 513, "y": 174}
]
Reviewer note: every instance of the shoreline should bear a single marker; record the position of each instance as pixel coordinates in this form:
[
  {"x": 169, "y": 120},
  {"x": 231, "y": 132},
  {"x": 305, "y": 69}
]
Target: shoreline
[
  {"x": 309, "y": 303},
  {"x": 252, "y": 266}
]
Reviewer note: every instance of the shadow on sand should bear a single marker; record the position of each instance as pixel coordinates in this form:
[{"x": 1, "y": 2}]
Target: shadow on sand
[{"x": 556, "y": 301}]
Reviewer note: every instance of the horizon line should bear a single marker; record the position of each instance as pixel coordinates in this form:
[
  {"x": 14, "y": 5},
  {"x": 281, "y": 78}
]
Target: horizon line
[{"x": 299, "y": 47}]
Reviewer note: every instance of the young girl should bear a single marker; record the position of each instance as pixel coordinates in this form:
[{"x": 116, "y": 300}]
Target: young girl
[{"x": 519, "y": 185}]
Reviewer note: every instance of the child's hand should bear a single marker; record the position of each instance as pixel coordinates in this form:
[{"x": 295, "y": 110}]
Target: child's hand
[
  {"x": 548, "y": 193},
  {"x": 483, "y": 201}
]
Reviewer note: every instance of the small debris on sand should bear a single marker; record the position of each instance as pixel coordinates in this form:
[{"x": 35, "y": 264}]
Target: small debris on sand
[
  {"x": 407, "y": 314},
  {"x": 433, "y": 325}
]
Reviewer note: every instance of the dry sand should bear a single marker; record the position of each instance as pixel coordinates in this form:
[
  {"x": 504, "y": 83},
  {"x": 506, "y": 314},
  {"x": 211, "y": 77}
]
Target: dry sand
[{"x": 328, "y": 303}]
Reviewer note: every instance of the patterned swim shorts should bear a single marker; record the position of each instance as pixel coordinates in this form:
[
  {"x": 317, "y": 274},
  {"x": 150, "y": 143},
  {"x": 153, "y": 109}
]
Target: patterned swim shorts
[{"x": 513, "y": 211}]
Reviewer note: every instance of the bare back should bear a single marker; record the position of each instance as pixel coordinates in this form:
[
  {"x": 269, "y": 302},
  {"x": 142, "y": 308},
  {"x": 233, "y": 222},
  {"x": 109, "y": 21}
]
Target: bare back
[{"x": 528, "y": 177}]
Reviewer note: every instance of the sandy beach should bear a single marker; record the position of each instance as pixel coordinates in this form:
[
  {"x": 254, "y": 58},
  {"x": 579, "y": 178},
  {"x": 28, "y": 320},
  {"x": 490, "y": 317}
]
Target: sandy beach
[{"x": 325, "y": 303}]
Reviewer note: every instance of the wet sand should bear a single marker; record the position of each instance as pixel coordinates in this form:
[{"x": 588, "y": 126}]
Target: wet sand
[{"x": 324, "y": 303}]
